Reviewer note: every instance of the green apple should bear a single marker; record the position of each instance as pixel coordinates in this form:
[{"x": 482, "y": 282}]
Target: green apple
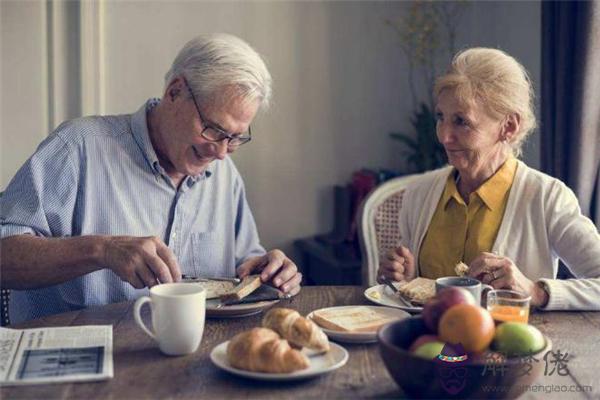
[
  {"x": 517, "y": 339},
  {"x": 429, "y": 350}
]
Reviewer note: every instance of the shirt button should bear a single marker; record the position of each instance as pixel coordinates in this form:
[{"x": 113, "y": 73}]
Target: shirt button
[{"x": 174, "y": 235}]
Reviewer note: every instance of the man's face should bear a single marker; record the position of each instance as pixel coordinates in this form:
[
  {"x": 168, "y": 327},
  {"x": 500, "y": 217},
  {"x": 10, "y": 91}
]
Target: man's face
[{"x": 186, "y": 151}]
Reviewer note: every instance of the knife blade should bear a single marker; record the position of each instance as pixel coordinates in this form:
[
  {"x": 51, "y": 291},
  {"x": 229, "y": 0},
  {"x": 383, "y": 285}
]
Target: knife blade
[
  {"x": 395, "y": 290},
  {"x": 189, "y": 278}
]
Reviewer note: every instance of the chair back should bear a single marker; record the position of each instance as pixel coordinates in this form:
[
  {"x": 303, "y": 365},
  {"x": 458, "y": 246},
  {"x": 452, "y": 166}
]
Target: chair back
[
  {"x": 4, "y": 298},
  {"x": 378, "y": 224}
]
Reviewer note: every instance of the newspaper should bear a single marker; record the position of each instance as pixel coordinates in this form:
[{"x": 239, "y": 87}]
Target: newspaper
[{"x": 50, "y": 355}]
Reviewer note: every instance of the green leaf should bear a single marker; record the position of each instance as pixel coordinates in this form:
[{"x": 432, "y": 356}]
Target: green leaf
[
  {"x": 405, "y": 139},
  {"x": 424, "y": 151}
]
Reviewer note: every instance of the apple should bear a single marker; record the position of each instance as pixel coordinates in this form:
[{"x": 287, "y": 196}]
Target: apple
[
  {"x": 442, "y": 301},
  {"x": 422, "y": 340},
  {"x": 429, "y": 350},
  {"x": 517, "y": 339}
]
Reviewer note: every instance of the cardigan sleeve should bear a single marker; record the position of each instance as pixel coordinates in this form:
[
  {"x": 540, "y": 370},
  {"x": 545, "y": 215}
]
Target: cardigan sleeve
[{"x": 575, "y": 240}]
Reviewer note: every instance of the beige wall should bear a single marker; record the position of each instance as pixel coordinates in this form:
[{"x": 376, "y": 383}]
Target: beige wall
[
  {"x": 23, "y": 112},
  {"x": 339, "y": 77}
]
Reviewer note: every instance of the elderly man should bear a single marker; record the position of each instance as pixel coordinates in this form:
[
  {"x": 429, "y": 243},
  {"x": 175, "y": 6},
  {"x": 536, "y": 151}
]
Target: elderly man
[{"x": 108, "y": 206}]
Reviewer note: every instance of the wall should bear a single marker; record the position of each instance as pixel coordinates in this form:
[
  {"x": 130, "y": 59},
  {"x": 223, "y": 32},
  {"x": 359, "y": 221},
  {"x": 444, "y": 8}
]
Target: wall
[
  {"x": 23, "y": 111},
  {"x": 339, "y": 75}
]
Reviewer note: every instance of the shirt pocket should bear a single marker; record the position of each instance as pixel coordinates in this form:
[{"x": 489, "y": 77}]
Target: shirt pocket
[{"x": 210, "y": 255}]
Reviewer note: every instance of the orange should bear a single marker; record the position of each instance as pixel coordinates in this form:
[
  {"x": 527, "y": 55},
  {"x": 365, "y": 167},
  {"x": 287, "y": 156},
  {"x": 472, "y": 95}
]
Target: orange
[{"x": 467, "y": 324}]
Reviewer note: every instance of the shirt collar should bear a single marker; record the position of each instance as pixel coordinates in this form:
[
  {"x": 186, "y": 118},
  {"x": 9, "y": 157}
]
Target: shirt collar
[
  {"x": 451, "y": 191},
  {"x": 139, "y": 126},
  {"x": 491, "y": 192}
]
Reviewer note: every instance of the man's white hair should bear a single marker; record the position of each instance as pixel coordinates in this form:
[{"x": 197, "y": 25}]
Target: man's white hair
[{"x": 214, "y": 64}]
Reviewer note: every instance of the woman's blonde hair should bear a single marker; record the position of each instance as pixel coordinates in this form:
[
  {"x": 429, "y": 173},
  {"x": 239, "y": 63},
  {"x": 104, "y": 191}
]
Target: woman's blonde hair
[{"x": 498, "y": 81}]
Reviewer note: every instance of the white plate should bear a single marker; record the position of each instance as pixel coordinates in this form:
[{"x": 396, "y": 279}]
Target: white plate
[
  {"x": 236, "y": 310},
  {"x": 360, "y": 337},
  {"x": 335, "y": 358},
  {"x": 383, "y": 295}
]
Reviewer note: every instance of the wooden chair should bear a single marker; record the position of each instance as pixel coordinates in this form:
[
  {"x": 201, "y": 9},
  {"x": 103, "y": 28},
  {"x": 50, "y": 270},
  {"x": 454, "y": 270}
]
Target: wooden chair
[{"x": 378, "y": 224}]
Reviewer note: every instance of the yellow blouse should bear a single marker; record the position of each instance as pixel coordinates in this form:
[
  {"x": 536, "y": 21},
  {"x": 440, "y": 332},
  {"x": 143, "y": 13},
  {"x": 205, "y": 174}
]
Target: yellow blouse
[{"x": 459, "y": 231}]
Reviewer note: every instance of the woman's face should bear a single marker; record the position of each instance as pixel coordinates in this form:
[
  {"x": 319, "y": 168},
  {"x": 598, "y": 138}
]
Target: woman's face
[{"x": 471, "y": 138}]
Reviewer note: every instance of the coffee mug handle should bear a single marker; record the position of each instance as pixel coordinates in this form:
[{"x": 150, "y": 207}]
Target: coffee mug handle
[
  {"x": 485, "y": 288},
  {"x": 138, "y": 317}
]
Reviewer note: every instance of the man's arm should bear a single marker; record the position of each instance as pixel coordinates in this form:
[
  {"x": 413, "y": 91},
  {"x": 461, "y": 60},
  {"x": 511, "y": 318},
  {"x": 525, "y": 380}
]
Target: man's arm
[{"x": 30, "y": 262}]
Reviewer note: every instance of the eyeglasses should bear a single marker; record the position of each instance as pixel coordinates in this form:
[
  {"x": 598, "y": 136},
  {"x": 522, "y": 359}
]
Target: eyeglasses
[{"x": 213, "y": 133}]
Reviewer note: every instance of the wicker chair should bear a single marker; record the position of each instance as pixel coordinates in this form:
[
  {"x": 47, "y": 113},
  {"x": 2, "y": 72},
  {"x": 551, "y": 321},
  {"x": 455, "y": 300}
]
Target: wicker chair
[
  {"x": 378, "y": 224},
  {"x": 5, "y": 296}
]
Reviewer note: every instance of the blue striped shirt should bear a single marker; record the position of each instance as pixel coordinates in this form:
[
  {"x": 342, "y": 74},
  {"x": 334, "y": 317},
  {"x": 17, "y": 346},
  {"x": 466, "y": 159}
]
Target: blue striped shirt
[{"x": 101, "y": 175}]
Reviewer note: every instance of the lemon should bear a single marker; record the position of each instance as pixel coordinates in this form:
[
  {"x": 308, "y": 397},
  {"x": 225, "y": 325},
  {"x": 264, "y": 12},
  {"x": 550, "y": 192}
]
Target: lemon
[{"x": 516, "y": 339}]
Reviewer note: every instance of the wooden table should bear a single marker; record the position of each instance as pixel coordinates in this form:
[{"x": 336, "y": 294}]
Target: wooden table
[{"x": 142, "y": 372}]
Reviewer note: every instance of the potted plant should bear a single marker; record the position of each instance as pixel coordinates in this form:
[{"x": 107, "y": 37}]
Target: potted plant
[{"x": 427, "y": 38}]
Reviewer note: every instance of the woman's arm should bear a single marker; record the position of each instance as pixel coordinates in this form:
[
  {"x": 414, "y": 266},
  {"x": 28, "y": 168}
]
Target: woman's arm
[{"x": 575, "y": 239}]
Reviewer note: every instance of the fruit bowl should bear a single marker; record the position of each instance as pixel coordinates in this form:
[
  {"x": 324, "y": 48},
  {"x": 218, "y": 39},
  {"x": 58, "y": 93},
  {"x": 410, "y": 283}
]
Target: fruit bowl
[{"x": 480, "y": 376}]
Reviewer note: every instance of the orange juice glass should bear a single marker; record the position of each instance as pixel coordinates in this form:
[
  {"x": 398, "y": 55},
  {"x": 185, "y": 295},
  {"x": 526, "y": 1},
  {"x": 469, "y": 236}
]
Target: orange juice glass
[{"x": 508, "y": 305}]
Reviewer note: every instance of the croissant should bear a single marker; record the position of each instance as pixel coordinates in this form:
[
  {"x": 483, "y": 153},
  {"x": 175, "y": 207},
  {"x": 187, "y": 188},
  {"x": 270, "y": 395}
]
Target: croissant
[
  {"x": 296, "y": 329},
  {"x": 262, "y": 350}
]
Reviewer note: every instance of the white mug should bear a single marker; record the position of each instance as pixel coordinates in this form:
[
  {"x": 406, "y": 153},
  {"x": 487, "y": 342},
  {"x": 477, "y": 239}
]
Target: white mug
[
  {"x": 474, "y": 286},
  {"x": 178, "y": 312}
]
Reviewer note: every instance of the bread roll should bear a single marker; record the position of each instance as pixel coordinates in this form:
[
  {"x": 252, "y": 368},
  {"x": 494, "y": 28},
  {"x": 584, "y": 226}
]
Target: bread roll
[
  {"x": 296, "y": 329},
  {"x": 262, "y": 350}
]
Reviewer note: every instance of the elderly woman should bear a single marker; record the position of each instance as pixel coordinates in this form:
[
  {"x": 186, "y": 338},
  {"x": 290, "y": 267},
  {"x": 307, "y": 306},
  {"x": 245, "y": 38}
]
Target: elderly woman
[{"x": 510, "y": 223}]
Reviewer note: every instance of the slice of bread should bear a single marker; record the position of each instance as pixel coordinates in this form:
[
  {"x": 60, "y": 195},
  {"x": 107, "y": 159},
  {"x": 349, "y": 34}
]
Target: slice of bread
[
  {"x": 419, "y": 290},
  {"x": 248, "y": 285},
  {"x": 351, "y": 319},
  {"x": 216, "y": 289},
  {"x": 461, "y": 269}
]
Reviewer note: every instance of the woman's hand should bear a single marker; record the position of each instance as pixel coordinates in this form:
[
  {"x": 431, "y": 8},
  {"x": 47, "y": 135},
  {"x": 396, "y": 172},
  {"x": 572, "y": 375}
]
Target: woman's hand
[
  {"x": 501, "y": 273},
  {"x": 398, "y": 265}
]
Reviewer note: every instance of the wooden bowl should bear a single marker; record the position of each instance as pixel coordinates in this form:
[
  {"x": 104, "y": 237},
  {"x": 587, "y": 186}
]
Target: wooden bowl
[{"x": 477, "y": 377}]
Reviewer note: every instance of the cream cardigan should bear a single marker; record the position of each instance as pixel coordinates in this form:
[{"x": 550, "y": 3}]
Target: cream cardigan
[{"x": 542, "y": 223}]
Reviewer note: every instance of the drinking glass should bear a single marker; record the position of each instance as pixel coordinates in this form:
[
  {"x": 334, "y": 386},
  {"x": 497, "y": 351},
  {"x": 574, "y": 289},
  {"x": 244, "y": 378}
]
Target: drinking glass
[{"x": 508, "y": 305}]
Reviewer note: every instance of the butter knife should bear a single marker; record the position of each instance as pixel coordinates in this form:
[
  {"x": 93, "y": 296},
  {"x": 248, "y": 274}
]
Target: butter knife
[
  {"x": 395, "y": 290},
  {"x": 189, "y": 278}
]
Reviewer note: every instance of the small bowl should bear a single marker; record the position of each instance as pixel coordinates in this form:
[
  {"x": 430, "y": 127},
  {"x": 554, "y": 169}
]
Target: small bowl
[{"x": 477, "y": 377}]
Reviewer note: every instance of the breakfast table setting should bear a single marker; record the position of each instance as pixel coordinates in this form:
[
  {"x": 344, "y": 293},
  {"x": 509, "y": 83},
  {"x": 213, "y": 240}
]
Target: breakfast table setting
[{"x": 375, "y": 364}]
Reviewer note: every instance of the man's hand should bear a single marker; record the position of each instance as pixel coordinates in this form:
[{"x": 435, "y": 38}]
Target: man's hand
[
  {"x": 502, "y": 273},
  {"x": 274, "y": 266},
  {"x": 398, "y": 265},
  {"x": 141, "y": 261}
]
